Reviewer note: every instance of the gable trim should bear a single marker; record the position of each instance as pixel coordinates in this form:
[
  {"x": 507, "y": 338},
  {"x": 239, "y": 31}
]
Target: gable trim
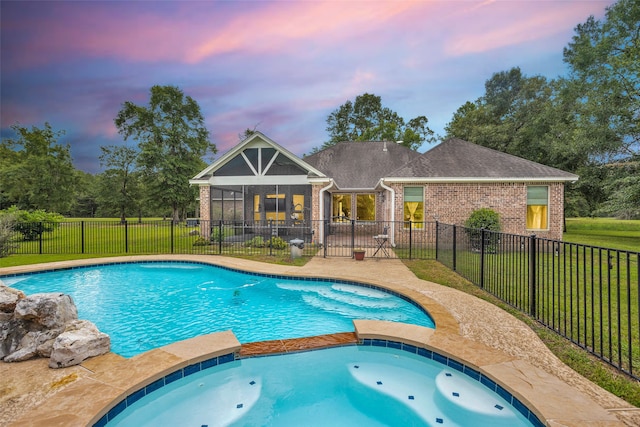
[{"x": 238, "y": 149}]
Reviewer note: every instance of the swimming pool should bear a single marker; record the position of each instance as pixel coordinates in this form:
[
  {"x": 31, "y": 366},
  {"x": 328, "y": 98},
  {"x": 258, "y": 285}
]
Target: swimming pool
[
  {"x": 146, "y": 305},
  {"x": 364, "y": 385}
]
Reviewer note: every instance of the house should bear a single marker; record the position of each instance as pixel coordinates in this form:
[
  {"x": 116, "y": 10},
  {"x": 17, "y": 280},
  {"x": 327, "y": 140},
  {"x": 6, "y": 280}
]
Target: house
[{"x": 371, "y": 182}]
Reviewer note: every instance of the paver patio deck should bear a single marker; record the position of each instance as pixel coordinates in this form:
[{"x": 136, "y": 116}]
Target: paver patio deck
[{"x": 467, "y": 328}]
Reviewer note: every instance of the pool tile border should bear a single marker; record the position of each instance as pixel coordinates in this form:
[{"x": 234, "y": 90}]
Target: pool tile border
[{"x": 366, "y": 342}]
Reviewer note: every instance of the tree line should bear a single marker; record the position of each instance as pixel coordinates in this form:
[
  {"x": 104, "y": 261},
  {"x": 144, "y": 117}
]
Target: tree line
[
  {"x": 586, "y": 122},
  {"x": 148, "y": 179}
]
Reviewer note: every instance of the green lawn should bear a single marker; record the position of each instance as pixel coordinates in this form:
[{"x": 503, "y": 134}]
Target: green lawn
[{"x": 604, "y": 232}]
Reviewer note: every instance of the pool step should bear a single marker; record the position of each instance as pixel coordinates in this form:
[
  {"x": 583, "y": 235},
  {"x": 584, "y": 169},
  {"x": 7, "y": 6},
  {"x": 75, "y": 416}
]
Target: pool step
[
  {"x": 467, "y": 401},
  {"x": 395, "y": 392}
]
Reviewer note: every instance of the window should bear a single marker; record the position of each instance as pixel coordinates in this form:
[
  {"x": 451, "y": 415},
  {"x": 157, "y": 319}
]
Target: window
[
  {"x": 366, "y": 207},
  {"x": 256, "y": 207},
  {"x": 297, "y": 211},
  {"x": 414, "y": 206},
  {"x": 537, "y": 207},
  {"x": 341, "y": 207},
  {"x": 274, "y": 207}
]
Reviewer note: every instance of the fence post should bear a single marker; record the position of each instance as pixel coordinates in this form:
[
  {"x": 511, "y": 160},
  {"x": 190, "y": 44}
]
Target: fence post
[
  {"x": 41, "y": 232},
  {"x": 454, "y": 246},
  {"x": 126, "y": 236},
  {"x": 82, "y": 235},
  {"x": 532, "y": 275},
  {"x": 171, "y": 234},
  {"x": 437, "y": 240},
  {"x": 271, "y": 237},
  {"x": 353, "y": 237},
  {"x": 410, "y": 238},
  {"x": 220, "y": 237},
  {"x": 325, "y": 235},
  {"x": 482, "y": 231}
]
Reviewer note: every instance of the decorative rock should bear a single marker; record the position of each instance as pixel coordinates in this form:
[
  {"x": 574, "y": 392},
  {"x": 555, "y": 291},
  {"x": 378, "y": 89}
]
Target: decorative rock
[
  {"x": 50, "y": 310},
  {"x": 80, "y": 340},
  {"x": 9, "y": 297},
  {"x": 34, "y": 343},
  {"x": 46, "y": 325},
  {"x": 11, "y": 333}
]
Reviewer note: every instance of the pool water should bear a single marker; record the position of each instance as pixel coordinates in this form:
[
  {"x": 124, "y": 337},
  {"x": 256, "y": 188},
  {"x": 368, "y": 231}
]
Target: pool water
[
  {"x": 142, "y": 306},
  {"x": 343, "y": 386}
]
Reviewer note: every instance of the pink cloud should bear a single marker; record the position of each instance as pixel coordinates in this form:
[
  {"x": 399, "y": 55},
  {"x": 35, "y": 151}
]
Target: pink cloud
[
  {"x": 110, "y": 29},
  {"x": 193, "y": 31},
  {"x": 493, "y": 25},
  {"x": 319, "y": 22}
]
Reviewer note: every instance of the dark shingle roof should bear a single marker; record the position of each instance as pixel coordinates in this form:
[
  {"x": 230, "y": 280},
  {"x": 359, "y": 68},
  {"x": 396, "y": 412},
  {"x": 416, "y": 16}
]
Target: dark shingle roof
[
  {"x": 455, "y": 158},
  {"x": 360, "y": 165}
]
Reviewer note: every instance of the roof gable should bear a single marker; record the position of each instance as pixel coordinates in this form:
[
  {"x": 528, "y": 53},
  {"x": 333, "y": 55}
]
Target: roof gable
[
  {"x": 456, "y": 159},
  {"x": 256, "y": 156},
  {"x": 360, "y": 165}
]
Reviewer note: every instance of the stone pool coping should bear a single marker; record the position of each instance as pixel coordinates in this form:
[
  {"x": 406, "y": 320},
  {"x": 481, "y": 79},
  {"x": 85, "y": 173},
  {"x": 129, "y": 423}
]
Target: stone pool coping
[{"x": 508, "y": 355}]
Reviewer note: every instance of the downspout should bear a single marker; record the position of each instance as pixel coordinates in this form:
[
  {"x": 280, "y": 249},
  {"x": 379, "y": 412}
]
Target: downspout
[
  {"x": 320, "y": 196},
  {"x": 393, "y": 210}
]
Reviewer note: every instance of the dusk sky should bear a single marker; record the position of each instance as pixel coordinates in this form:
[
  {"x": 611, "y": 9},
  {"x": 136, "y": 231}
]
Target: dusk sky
[{"x": 279, "y": 66}]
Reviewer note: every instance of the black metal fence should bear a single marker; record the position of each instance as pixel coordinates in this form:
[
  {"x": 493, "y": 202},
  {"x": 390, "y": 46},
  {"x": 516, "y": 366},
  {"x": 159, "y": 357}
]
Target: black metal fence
[
  {"x": 326, "y": 238},
  {"x": 588, "y": 294}
]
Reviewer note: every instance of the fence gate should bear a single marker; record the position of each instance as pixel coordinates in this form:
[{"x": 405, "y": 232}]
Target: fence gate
[{"x": 342, "y": 237}]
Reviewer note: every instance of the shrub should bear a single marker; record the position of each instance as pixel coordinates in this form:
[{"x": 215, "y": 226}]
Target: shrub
[
  {"x": 32, "y": 224},
  {"x": 486, "y": 219},
  {"x": 201, "y": 241},
  {"x": 218, "y": 235},
  {"x": 256, "y": 242},
  {"x": 7, "y": 225},
  {"x": 277, "y": 243}
]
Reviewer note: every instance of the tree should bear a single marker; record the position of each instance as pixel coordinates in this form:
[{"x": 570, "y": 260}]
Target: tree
[
  {"x": 248, "y": 132},
  {"x": 37, "y": 172},
  {"x": 172, "y": 140},
  {"x": 535, "y": 119},
  {"x": 623, "y": 187},
  {"x": 7, "y": 231},
  {"x": 604, "y": 59},
  {"x": 86, "y": 192},
  {"x": 514, "y": 116},
  {"x": 367, "y": 120},
  {"x": 32, "y": 224},
  {"x": 119, "y": 187}
]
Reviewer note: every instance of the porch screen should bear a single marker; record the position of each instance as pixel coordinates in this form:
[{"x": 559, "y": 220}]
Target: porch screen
[
  {"x": 537, "y": 207},
  {"x": 414, "y": 206}
]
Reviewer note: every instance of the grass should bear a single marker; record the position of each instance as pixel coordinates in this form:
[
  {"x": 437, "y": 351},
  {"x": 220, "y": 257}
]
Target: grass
[{"x": 604, "y": 232}]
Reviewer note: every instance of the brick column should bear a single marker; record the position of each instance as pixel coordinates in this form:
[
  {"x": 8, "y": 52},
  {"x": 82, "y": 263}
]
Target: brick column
[{"x": 205, "y": 211}]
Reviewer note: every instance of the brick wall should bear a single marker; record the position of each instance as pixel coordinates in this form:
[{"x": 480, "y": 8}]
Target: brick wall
[
  {"x": 452, "y": 203},
  {"x": 205, "y": 210}
]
